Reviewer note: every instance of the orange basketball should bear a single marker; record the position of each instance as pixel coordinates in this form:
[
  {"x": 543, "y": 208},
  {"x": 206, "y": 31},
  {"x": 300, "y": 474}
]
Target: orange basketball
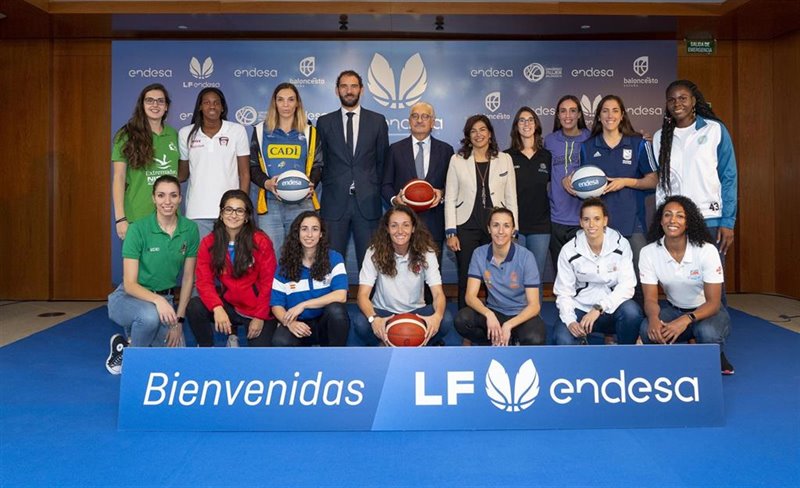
[
  {"x": 419, "y": 194},
  {"x": 406, "y": 330}
]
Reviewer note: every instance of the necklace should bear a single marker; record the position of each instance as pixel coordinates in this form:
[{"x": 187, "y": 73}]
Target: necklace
[{"x": 483, "y": 175}]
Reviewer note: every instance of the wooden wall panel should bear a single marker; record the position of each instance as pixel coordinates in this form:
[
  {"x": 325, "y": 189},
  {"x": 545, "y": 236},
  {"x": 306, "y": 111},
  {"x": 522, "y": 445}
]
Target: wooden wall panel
[
  {"x": 786, "y": 62},
  {"x": 755, "y": 161},
  {"x": 82, "y": 170},
  {"x": 715, "y": 76},
  {"x": 24, "y": 169}
]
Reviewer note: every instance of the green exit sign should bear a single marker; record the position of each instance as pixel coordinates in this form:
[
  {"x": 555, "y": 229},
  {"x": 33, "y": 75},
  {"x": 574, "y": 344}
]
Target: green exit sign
[{"x": 701, "y": 47}]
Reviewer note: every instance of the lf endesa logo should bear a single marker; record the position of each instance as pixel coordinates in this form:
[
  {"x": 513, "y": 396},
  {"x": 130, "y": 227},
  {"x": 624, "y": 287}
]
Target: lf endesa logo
[{"x": 616, "y": 389}]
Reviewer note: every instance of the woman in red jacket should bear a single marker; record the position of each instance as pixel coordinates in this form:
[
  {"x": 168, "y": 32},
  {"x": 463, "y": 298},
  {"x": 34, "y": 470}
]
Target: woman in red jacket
[{"x": 235, "y": 267}]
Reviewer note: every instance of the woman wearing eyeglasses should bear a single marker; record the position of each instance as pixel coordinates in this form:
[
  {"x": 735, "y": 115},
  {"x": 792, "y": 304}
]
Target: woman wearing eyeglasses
[
  {"x": 215, "y": 157},
  {"x": 238, "y": 256},
  {"x": 532, "y": 163},
  {"x": 144, "y": 149}
]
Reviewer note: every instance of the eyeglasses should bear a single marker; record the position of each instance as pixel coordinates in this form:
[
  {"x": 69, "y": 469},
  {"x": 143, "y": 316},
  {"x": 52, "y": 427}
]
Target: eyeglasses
[
  {"x": 527, "y": 121},
  {"x": 155, "y": 101},
  {"x": 423, "y": 117},
  {"x": 230, "y": 211}
]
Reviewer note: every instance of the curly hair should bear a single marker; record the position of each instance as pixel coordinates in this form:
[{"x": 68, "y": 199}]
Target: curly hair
[
  {"x": 581, "y": 119},
  {"x": 625, "y": 126},
  {"x": 701, "y": 107},
  {"x": 243, "y": 245},
  {"x": 291, "y": 261},
  {"x": 516, "y": 138},
  {"x": 696, "y": 230},
  {"x": 197, "y": 115},
  {"x": 466, "y": 145},
  {"x": 420, "y": 243},
  {"x": 138, "y": 146}
]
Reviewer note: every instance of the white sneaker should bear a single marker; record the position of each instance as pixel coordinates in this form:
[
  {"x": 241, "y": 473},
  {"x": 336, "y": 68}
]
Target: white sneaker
[{"x": 233, "y": 341}]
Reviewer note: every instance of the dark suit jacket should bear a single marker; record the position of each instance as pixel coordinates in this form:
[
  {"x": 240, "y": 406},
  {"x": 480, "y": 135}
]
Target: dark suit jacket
[
  {"x": 400, "y": 168},
  {"x": 365, "y": 167}
]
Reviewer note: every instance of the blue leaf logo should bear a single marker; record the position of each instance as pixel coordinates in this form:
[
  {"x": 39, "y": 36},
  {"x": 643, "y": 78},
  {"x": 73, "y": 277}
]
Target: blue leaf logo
[
  {"x": 526, "y": 386},
  {"x": 201, "y": 72},
  {"x": 381, "y": 82}
]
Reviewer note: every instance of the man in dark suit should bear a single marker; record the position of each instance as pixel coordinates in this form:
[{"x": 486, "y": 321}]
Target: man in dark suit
[
  {"x": 419, "y": 156},
  {"x": 354, "y": 145}
]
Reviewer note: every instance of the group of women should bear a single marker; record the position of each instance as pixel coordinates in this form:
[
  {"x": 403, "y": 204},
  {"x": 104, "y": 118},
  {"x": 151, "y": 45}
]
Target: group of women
[{"x": 503, "y": 212}]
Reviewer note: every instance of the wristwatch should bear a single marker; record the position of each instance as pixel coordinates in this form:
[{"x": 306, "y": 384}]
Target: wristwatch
[
  {"x": 692, "y": 317},
  {"x": 372, "y": 318},
  {"x": 598, "y": 307}
]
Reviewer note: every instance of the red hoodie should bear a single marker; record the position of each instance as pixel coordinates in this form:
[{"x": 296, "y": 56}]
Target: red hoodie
[{"x": 250, "y": 293}]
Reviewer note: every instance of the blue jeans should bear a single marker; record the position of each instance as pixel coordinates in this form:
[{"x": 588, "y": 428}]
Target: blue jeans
[
  {"x": 279, "y": 218},
  {"x": 138, "y": 318},
  {"x": 538, "y": 244},
  {"x": 624, "y": 322},
  {"x": 362, "y": 334},
  {"x": 711, "y": 330}
]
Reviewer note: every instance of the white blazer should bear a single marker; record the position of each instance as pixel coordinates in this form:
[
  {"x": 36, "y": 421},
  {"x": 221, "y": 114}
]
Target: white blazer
[{"x": 462, "y": 187}]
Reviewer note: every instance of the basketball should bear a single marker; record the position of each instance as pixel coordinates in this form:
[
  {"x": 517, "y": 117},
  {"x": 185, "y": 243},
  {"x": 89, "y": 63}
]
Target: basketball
[
  {"x": 292, "y": 186},
  {"x": 419, "y": 195},
  {"x": 589, "y": 181},
  {"x": 406, "y": 330}
]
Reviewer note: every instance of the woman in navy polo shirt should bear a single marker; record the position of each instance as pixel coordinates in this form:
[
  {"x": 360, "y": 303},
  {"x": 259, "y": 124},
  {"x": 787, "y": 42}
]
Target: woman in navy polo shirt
[
  {"x": 681, "y": 257},
  {"x": 238, "y": 257},
  {"x": 155, "y": 250},
  {"x": 310, "y": 288},
  {"x": 628, "y": 162},
  {"x": 511, "y": 312}
]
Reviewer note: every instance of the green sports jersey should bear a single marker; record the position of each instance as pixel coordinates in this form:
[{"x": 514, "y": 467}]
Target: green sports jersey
[
  {"x": 160, "y": 256},
  {"x": 139, "y": 182}
]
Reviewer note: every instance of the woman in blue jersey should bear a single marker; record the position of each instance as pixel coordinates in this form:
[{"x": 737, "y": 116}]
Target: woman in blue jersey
[
  {"x": 626, "y": 159},
  {"x": 532, "y": 164},
  {"x": 282, "y": 142},
  {"x": 564, "y": 144},
  {"x": 310, "y": 288},
  {"x": 696, "y": 159}
]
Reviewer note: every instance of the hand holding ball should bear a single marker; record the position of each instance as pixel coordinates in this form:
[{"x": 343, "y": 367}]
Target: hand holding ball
[
  {"x": 292, "y": 186},
  {"x": 419, "y": 195},
  {"x": 589, "y": 181},
  {"x": 406, "y": 330}
]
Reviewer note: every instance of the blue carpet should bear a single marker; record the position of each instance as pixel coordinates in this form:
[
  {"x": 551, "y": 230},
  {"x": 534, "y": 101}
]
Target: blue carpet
[{"x": 59, "y": 413}]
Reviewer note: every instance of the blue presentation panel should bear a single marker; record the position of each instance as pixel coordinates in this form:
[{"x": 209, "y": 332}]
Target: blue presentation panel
[{"x": 458, "y": 388}]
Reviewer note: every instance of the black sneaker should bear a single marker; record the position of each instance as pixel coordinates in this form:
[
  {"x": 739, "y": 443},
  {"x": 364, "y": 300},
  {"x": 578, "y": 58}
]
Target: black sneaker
[
  {"x": 727, "y": 367},
  {"x": 114, "y": 361}
]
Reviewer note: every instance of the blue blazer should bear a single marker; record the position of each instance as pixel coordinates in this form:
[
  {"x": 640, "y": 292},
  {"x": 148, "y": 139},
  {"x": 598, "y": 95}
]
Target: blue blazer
[
  {"x": 340, "y": 168},
  {"x": 400, "y": 169}
]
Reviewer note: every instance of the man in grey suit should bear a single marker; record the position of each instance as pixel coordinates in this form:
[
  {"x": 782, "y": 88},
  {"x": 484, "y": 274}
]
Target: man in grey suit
[
  {"x": 419, "y": 156},
  {"x": 354, "y": 144}
]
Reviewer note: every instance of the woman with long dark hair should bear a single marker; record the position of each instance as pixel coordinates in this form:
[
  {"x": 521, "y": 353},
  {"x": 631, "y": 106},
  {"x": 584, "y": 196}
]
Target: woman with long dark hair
[
  {"x": 401, "y": 259},
  {"x": 564, "y": 143},
  {"x": 681, "y": 257},
  {"x": 696, "y": 159},
  {"x": 310, "y": 288},
  {"x": 145, "y": 148},
  {"x": 479, "y": 179},
  {"x": 532, "y": 165},
  {"x": 215, "y": 157},
  {"x": 155, "y": 251},
  {"x": 284, "y": 141},
  {"x": 238, "y": 256}
]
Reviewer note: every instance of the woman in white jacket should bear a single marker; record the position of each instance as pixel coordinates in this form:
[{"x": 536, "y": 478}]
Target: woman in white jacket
[{"x": 595, "y": 282}]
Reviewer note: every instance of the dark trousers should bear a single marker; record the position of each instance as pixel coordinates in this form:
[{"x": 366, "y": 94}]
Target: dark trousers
[
  {"x": 329, "y": 329},
  {"x": 470, "y": 239},
  {"x": 201, "y": 321},
  {"x": 351, "y": 221},
  {"x": 560, "y": 234},
  {"x": 472, "y": 325}
]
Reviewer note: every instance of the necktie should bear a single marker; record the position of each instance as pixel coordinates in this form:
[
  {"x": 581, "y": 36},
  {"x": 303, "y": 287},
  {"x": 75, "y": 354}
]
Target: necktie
[
  {"x": 350, "y": 144},
  {"x": 419, "y": 161}
]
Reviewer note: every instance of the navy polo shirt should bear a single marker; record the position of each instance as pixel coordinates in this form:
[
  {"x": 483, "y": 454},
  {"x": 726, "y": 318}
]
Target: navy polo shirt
[
  {"x": 632, "y": 158},
  {"x": 505, "y": 282}
]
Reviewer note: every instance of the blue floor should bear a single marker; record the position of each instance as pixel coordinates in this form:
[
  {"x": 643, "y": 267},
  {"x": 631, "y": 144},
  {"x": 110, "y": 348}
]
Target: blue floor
[{"x": 59, "y": 413}]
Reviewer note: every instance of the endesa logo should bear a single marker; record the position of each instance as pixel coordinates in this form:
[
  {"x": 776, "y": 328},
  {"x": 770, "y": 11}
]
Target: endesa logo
[
  {"x": 255, "y": 73},
  {"x": 592, "y": 72},
  {"x": 150, "y": 73},
  {"x": 589, "y": 183},
  {"x": 492, "y": 73},
  {"x": 616, "y": 389}
]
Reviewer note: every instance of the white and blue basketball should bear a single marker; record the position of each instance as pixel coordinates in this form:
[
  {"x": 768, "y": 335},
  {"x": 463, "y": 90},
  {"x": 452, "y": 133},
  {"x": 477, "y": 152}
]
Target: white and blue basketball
[
  {"x": 292, "y": 186},
  {"x": 589, "y": 181}
]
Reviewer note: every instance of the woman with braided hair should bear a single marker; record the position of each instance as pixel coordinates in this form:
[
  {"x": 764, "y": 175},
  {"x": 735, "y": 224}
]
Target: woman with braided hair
[{"x": 696, "y": 159}]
